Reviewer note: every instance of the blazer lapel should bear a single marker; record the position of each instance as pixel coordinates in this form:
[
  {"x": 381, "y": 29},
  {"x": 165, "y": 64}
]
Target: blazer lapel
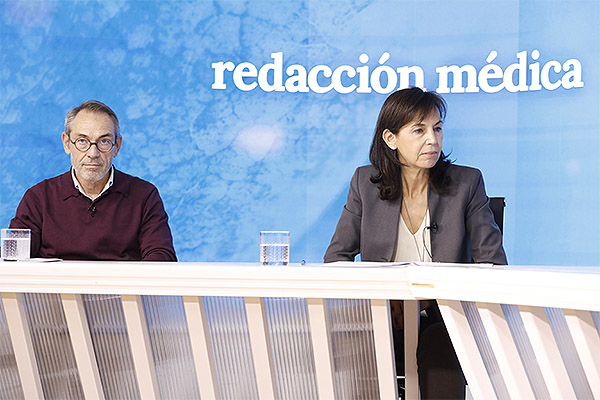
[{"x": 389, "y": 226}]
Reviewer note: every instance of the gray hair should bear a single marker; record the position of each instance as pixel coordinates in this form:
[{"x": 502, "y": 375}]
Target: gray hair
[{"x": 94, "y": 106}]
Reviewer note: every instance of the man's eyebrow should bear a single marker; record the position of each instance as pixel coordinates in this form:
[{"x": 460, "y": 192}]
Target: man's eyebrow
[{"x": 99, "y": 137}]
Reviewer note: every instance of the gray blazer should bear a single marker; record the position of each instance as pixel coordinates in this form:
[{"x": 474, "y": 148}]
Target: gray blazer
[{"x": 462, "y": 223}]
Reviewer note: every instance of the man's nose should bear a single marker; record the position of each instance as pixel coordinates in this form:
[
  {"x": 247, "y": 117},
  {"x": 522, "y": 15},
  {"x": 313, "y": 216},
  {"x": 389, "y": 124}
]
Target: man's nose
[{"x": 93, "y": 151}]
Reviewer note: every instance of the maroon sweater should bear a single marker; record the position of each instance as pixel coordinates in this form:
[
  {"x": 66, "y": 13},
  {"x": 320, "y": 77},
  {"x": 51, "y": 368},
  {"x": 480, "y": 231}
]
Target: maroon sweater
[{"x": 127, "y": 222}]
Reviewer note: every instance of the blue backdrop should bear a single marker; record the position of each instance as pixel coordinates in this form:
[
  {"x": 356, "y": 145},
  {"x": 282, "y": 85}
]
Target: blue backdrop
[{"x": 253, "y": 115}]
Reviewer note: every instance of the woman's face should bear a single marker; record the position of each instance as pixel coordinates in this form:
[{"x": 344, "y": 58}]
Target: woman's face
[{"x": 418, "y": 143}]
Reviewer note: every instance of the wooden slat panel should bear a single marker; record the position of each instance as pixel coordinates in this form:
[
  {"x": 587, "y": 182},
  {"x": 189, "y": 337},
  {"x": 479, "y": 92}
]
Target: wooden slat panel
[
  {"x": 201, "y": 347},
  {"x": 22, "y": 345},
  {"x": 140, "y": 346},
  {"x": 323, "y": 353},
  {"x": 547, "y": 352},
  {"x": 384, "y": 349},
  {"x": 466, "y": 349},
  {"x": 505, "y": 351},
  {"x": 83, "y": 348},
  {"x": 586, "y": 340},
  {"x": 261, "y": 349}
]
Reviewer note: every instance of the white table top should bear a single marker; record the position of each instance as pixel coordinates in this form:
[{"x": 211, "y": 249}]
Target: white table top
[{"x": 573, "y": 287}]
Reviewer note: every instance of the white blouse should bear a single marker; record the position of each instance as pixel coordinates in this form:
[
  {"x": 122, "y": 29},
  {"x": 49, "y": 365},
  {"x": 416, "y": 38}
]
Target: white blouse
[{"x": 415, "y": 247}]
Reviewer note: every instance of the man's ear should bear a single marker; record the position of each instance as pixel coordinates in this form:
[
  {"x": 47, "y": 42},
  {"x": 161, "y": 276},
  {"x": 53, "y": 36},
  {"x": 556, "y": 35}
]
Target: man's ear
[
  {"x": 66, "y": 143},
  {"x": 118, "y": 145},
  {"x": 390, "y": 139}
]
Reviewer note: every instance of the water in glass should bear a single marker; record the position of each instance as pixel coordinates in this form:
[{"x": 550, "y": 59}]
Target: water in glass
[
  {"x": 274, "y": 254},
  {"x": 14, "y": 249}
]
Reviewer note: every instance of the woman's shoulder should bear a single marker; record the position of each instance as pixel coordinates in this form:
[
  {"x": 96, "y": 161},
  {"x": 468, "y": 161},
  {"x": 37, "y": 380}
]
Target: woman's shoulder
[
  {"x": 463, "y": 172},
  {"x": 366, "y": 170},
  {"x": 361, "y": 181},
  {"x": 363, "y": 174}
]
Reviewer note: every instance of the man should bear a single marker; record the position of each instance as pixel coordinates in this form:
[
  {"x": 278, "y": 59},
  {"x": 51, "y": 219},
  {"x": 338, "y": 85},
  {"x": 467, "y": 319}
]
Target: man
[{"x": 94, "y": 211}]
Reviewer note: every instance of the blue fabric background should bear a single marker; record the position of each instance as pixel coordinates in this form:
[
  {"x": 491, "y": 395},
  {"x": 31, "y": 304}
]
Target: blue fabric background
[{"x": 230, "y": 163}]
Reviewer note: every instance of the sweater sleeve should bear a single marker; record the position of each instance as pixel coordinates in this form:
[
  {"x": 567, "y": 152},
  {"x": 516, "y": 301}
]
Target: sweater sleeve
[
  {"x": 29, "y": 216},
  {"x": 156, "y": 242}
]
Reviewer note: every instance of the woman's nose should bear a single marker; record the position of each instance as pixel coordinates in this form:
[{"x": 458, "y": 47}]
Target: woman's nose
[{"x": 430, "y": 136}]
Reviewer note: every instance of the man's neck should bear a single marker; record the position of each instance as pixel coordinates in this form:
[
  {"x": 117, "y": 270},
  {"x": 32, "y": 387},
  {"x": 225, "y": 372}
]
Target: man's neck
[{"x": 93, "y": 189}]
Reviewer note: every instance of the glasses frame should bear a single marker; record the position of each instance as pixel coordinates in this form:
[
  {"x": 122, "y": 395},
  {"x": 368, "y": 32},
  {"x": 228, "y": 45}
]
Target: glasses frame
[{"x": 90, "y": 145}]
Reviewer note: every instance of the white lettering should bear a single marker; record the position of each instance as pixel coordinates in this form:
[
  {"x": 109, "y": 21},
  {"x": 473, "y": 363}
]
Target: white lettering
[
  {"x": 521, "y": 68},
  {"x": 336, "y": 79},
  {"x": 545, "y": 75},
  {"x": 392, "y": 79},
  {"x": 363, "y": 75},
  {"x": 244, "y": 70},
  {"x": 490, "y": 71},
  {"x": 277, "y": 68},
  {"x": 296, "y": 82},
  {"x": 384, "y": 78},
  {"x": 457, "y": 73},
  {"x": 313, "y": 79},
  {"x": 535, "y": 72},
  {"x": 220, "y": 68},
  {"x": 404, "y": 73},
  {"x": 572, "y": 78}
]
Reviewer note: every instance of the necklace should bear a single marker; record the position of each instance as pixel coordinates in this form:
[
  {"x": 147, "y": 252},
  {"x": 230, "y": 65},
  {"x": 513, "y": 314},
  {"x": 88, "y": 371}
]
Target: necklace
[{"x": 419, "y": 253}]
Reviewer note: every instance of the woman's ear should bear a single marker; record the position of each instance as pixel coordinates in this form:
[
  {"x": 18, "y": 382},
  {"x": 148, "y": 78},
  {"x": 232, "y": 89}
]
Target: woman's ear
[{"x": 390, "y": 139}]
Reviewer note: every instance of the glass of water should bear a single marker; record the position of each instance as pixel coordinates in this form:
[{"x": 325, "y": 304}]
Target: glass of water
[
  {"x": 15, "y": 244},
  {"x": 274, "y": 247}
]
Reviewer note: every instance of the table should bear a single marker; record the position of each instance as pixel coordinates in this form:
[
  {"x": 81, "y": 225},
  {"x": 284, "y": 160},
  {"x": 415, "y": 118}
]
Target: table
[{"x": 241, "y": 330}]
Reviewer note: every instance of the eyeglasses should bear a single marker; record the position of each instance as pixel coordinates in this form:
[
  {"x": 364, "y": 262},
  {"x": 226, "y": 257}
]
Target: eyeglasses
[{"x": 104, "y": 145}]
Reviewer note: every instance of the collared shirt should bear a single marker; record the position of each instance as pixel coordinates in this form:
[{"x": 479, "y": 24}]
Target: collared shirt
[{"x": 80, "y": 188}]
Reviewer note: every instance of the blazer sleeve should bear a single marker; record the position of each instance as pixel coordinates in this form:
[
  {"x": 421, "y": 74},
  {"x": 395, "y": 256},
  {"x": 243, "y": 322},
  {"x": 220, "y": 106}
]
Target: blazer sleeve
[
  {"x": 484, "y": 235},
  {"x": 345, "y": 244}
]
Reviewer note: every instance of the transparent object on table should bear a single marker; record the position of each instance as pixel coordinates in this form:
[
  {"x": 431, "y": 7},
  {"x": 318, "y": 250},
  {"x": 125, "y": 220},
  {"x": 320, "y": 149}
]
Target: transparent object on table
[
  {"x": 274, "y": 247},
  {"x": 15, "y": 244}
]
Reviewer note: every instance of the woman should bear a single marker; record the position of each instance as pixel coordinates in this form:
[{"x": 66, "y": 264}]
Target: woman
[{"x": 412, "y": 204}]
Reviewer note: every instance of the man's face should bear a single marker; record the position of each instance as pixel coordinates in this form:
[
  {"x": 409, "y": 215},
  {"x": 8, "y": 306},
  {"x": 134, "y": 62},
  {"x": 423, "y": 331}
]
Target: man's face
[{"x": 91, "y": 166}]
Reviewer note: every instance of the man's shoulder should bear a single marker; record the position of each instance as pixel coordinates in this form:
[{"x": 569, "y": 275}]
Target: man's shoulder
[
  {"x": 52, "y": 184},
  {"x": 127, "y": 183},
  {"x": 131, "y": 179}
]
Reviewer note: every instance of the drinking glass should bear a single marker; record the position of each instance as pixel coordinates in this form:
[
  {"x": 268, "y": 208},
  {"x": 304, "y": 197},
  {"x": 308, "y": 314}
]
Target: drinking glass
[
  {"x": 15, "y": 244},
  {"x": 274, "y": 247}
]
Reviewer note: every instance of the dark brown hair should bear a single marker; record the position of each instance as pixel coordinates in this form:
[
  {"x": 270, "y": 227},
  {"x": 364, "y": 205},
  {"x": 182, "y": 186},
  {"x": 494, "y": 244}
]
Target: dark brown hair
[{"x": 399, "y": 109}]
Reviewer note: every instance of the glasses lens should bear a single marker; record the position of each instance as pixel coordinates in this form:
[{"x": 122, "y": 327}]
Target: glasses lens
[
  {"x": 104, "y": 145},
  {"x": 82, "y": 144}
]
